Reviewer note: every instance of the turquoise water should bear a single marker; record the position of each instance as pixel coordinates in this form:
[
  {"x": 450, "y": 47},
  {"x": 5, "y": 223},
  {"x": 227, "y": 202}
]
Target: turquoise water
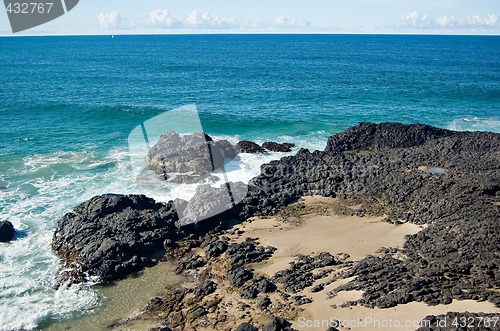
[{"x": 77, "y": 99}]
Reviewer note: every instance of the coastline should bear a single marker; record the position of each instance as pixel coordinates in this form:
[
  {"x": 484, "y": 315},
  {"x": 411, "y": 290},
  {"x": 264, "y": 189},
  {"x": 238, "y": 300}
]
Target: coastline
[{"x": 357, "y": 229}]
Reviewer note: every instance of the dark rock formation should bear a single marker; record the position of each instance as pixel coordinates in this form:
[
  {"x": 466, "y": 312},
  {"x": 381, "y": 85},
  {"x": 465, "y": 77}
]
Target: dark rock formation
[
  {"x": 246, "y": 327},
  {"x": 110, "y": 236},
  {"x": 278, "y": 324},
  {"x": 257, "y": 285},
  {"x": 7, "y": 231},
  {"x": 368, "y": 136},
  {"x": 453, "y": 258},
  {"x": 210, "y": 204},
  {"x": 277, "y": 147},
  {"x": 195, "y": 154},
  {"x": 299, "y": 275},
  {"x": 461, "y": 322},
  {"x": 264, "y": 303},
  {"x": 237, "y": 276},
  {"x": 215, "y": 248},
  {"x": 248, "y": 252},
  {"x": 246, "y": 146}
]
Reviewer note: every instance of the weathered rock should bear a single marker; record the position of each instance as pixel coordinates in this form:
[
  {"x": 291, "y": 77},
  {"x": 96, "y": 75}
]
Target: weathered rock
[
  {"x": 215, "y": 248},
  {"x": 227, "y": 149},
  {"x": 237, "y": 276},
  {"x": 210, "y": 205},
  {"x": 278, "y": 324},
  {"x": 246, "y": 146},
  {"x": 7, "y": 231},
  {"x": 277, "y": 147},
  {"x": 205, "y": 289},
  {"x": 264, "y": 303},
  {"x": 110, "y": 236},
  {"x": 246, "y": 327},
  {"x": 248, "y": 252},
  {"x": 195, "y": 154},
  {"x": 301, "y": 300},
  {"x": 375, "y": 136},
  {"x": 257, "y": 285}
]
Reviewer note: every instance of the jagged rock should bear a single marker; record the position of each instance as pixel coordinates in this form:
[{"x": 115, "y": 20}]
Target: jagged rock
[
  {"x": 301, "y": 300},
  {"x": 246, "y": 146},
  {"x": 110, "y": 236},
  {"x": 264, "y": 303},
  {"x": 227, "y": 149},
  {"x": 7, "y": 231},
  {"x": 248, "y": 252},
  {"x": 192, "y": 262},
  {"x": 205, "y": 289},
  {"x": 195, "y": 154},
  {"x": 257, "y": 285},
  {"x": 277, "y": 147},
  {"x": 215, "y": 248},
  {"x": 209, "y": 202},
  {"x": 278, "y": 324},
  {"x": 237, "y": 276},
  {"x": 246, "y": 327},
  {"x": 375, "y": 136}
]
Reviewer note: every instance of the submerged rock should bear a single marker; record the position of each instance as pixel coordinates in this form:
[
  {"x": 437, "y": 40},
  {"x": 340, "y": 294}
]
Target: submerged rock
[
  {"x": 110, "y": 236},
  {"x": 7, "y": 231}
]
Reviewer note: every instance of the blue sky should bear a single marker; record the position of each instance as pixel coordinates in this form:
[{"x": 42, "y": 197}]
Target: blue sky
[{"x": 280, "y": 16}]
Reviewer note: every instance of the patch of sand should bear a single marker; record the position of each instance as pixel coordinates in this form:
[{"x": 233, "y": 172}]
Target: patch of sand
[{"x": 356, "y": 236}]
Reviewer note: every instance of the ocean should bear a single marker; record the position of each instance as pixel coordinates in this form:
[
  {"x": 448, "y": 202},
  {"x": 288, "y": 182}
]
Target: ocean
[{"x": 75, "y": 100}]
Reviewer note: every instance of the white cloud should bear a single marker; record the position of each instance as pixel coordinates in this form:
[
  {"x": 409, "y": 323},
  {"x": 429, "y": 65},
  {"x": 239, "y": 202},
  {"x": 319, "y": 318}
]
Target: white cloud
[
  {"x": 207, "y": 21},
  {"x": 161, "y": 18},
  {"x": 196, "y": 20},
  {"x": 109, "y": 21},
  {"x": 475, "y": 23},
  {"x": 287, "y": 23}
]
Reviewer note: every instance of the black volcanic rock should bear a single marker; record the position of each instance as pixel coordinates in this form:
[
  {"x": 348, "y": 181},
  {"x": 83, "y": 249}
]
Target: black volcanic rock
[
  {"x": 195, "y": 154},
  {"x": 7, "y": 231},
  {"x": 110, "y": 236},
  {"x": 383, "y": 135},
  {"x": 246, "y": 146},
  {"x": 277, "y": 147},
  {"x": 388, "y": 163}
]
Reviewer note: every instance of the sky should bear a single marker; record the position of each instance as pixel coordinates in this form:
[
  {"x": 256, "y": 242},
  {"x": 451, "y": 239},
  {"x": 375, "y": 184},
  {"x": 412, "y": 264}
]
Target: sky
[{"x": 273, "y": 16}]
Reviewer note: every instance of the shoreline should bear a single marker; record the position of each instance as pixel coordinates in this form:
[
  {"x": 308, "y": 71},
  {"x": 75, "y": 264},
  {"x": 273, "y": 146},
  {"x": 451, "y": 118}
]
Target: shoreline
[{"x": 363, "y": 226}]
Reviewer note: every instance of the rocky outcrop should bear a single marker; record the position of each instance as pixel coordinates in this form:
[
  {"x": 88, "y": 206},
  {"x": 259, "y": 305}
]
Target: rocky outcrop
[
  {"x": 384, "y": 135},
  {"x": 277, "y": 147},
  {"x": 192, "y": 156},
  {"x": 453, "y": 258},
  {"x": 110, "y": 236},
  {"x": 7, "y": 231},
  {"x": 246, "y": 146}
]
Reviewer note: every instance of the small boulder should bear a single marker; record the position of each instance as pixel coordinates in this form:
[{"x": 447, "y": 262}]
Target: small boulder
[
  {"x": 7, "y": 231},
  {"x": 246, "y": 146},
  {"x": 277, "y": 147}
]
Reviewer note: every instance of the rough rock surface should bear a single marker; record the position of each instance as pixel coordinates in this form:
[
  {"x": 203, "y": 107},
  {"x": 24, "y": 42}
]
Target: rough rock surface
[
  {"x": 278, "y": 147},
  {"x": 110, "y": 236},
  {"x": 7, "y": 231},
  {"x": 192, "y": 155},
  {"x": 246, "y": 146},
  {"x": 454, "y": 257}
]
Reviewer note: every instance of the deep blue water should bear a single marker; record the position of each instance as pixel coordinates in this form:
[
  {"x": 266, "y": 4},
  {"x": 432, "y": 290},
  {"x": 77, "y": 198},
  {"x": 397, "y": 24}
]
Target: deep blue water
[{"x": 78, "y": 98}]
